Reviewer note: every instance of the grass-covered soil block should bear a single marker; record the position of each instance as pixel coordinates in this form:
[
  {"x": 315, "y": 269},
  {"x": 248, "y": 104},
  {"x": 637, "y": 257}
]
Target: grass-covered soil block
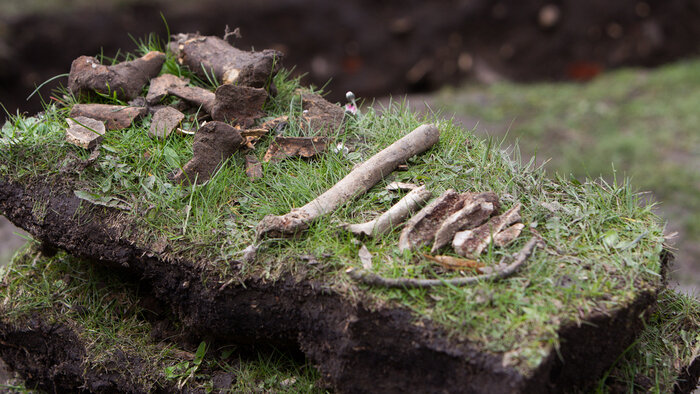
[
  {"x": 68, "y": 323},
  {"x": 557, "y": 323}
]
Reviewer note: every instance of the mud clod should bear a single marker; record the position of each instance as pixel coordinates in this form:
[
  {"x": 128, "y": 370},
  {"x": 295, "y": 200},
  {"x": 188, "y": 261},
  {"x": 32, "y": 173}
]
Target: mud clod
[
  {"x": 116, "y": 117},
  {"x": 213, "y": 143},
  {"x": 124, "y": 79}
]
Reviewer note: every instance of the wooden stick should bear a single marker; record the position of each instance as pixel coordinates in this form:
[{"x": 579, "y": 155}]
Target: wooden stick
[
  {"x": 394, "y": 216},
  {"x": 358, "y": 181},
  {"x": 371, "y": 279}
]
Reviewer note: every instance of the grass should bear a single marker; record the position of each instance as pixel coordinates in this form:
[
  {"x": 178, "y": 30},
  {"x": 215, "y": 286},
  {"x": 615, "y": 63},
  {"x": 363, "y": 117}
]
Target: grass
[
  {"x": 603, "y": 244},
  {"x": 105, "y": 312},
  {"x": 633, "y": 123},
  {"x": 669, "y": 343}
]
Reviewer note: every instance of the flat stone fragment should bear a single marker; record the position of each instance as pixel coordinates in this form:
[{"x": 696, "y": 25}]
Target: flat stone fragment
[
  {"x": 84, "y": 132},
  {"x": 320, "y": 115},
  {"x": 241, "y": 105},
  {"x": 284, "y": 147},
  {"x": 195, "y": 95},
  {"x": 164, "y": 121},
  {"x": 116, "y": 117},
  {"x": 213, "y": 143},
  {"x": 206, "y": 55},
  {"x": 125, "y": 79},
  {"x": 420, "y": 229},
  {"x": 470, "y": 243},
  {"x": 253, "y": 168},
  {"x": 159, "y": 87}
]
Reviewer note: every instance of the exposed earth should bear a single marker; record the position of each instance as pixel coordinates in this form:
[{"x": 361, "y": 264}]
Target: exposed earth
[{"x": 374, "y": 49}]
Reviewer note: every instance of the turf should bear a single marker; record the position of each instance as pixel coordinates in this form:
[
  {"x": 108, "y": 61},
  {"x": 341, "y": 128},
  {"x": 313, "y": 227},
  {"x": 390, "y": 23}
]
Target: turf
[{"x": 603, "y": 242}]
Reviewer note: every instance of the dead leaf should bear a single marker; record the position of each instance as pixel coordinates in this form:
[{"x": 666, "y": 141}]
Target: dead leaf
[{"x": 455, "y": 263}]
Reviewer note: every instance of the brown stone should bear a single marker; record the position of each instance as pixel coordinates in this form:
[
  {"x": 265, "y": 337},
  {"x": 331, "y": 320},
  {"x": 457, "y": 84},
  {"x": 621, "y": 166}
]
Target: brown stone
[
  {"x": 241, "y": 105},
  {"x": 476, "y": 210},
  {"x": 207, "y": 55},
  {"x": 164, "y": 121},
  {"x": 84, "y": 132},
  {"x": 195, "y": 95},
  {"x": 320, "y": 116},
  {"x": 115, "y": 116},
  {"x": 125, "y": 79},
  {"x": 159, "y": 87},
  {"x": 213, "y": 143}
]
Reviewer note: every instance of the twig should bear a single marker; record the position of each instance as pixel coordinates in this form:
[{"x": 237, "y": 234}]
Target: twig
[
  {"x": 394, "y": 216},
  {"x": 371, "y": 279},
  {"x": 358, "y": 181}
]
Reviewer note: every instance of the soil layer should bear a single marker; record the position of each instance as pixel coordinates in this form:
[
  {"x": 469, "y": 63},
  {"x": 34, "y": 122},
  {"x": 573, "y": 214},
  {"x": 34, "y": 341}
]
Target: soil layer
[{"x": 356, "y": 348}]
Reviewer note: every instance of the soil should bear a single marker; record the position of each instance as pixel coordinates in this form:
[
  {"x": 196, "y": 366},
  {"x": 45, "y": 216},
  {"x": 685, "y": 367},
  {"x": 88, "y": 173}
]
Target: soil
[
  {"x": 372, "y": 48},
  {"x": 356, "y": 348}
]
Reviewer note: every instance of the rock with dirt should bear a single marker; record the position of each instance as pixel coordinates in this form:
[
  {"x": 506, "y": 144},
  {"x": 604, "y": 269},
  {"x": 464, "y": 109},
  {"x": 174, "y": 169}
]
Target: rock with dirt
[
  {"x": 197, "y": 96},
  {"x": 125, "y": 80},
  {"x": 159, "y": 87},
  {"x": 116, "y": 117},
  {"x": 164, "y": 121},
  {"x": 84, "y": 132},
  {"x": 241, "y": 105},
  {"x": 320, "y": 116},
  {"x": 285, "y": 147},
  {"x": 213, "y": 143},
  {"x": 211, "y": 57}
]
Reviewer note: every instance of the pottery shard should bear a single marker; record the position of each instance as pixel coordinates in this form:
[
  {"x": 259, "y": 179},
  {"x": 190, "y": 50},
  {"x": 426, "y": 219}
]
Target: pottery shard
[
  {"x": 207, "y": 55},
  {"x": 194, "y": 95},
  {"x": 115, "y": 116},
  {"x": 213, "y": 143},
  {"x": 84, "y": 132},
  {"x": 238, "y": 104},
  {"x": 253, "y": 168},
  {"x": 125, "y": 79},
  {"x": 159, "y": 87},
  {"x": 320, "y": 116},
  {"x": 285, "y": 147},
  {"x": 470, "y": 243},
  {"x": 420, "y": 229},
  {"x": 164, "y": 121}
]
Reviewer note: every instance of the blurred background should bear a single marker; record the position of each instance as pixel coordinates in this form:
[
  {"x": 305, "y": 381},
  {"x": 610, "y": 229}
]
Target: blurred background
[{"x": 600, "y": 87}]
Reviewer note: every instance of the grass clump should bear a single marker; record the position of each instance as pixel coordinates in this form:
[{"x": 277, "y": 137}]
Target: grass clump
[
  {"x": 657, "y": 360},
  {"x": 603, "y": 245}
]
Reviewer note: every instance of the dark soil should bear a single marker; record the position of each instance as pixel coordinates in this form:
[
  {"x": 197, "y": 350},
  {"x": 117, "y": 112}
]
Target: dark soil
[
  {"x": 373, "y": 48},
  {"x": 51, "y": 356},
  {"x": 357, "y": 349}
]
